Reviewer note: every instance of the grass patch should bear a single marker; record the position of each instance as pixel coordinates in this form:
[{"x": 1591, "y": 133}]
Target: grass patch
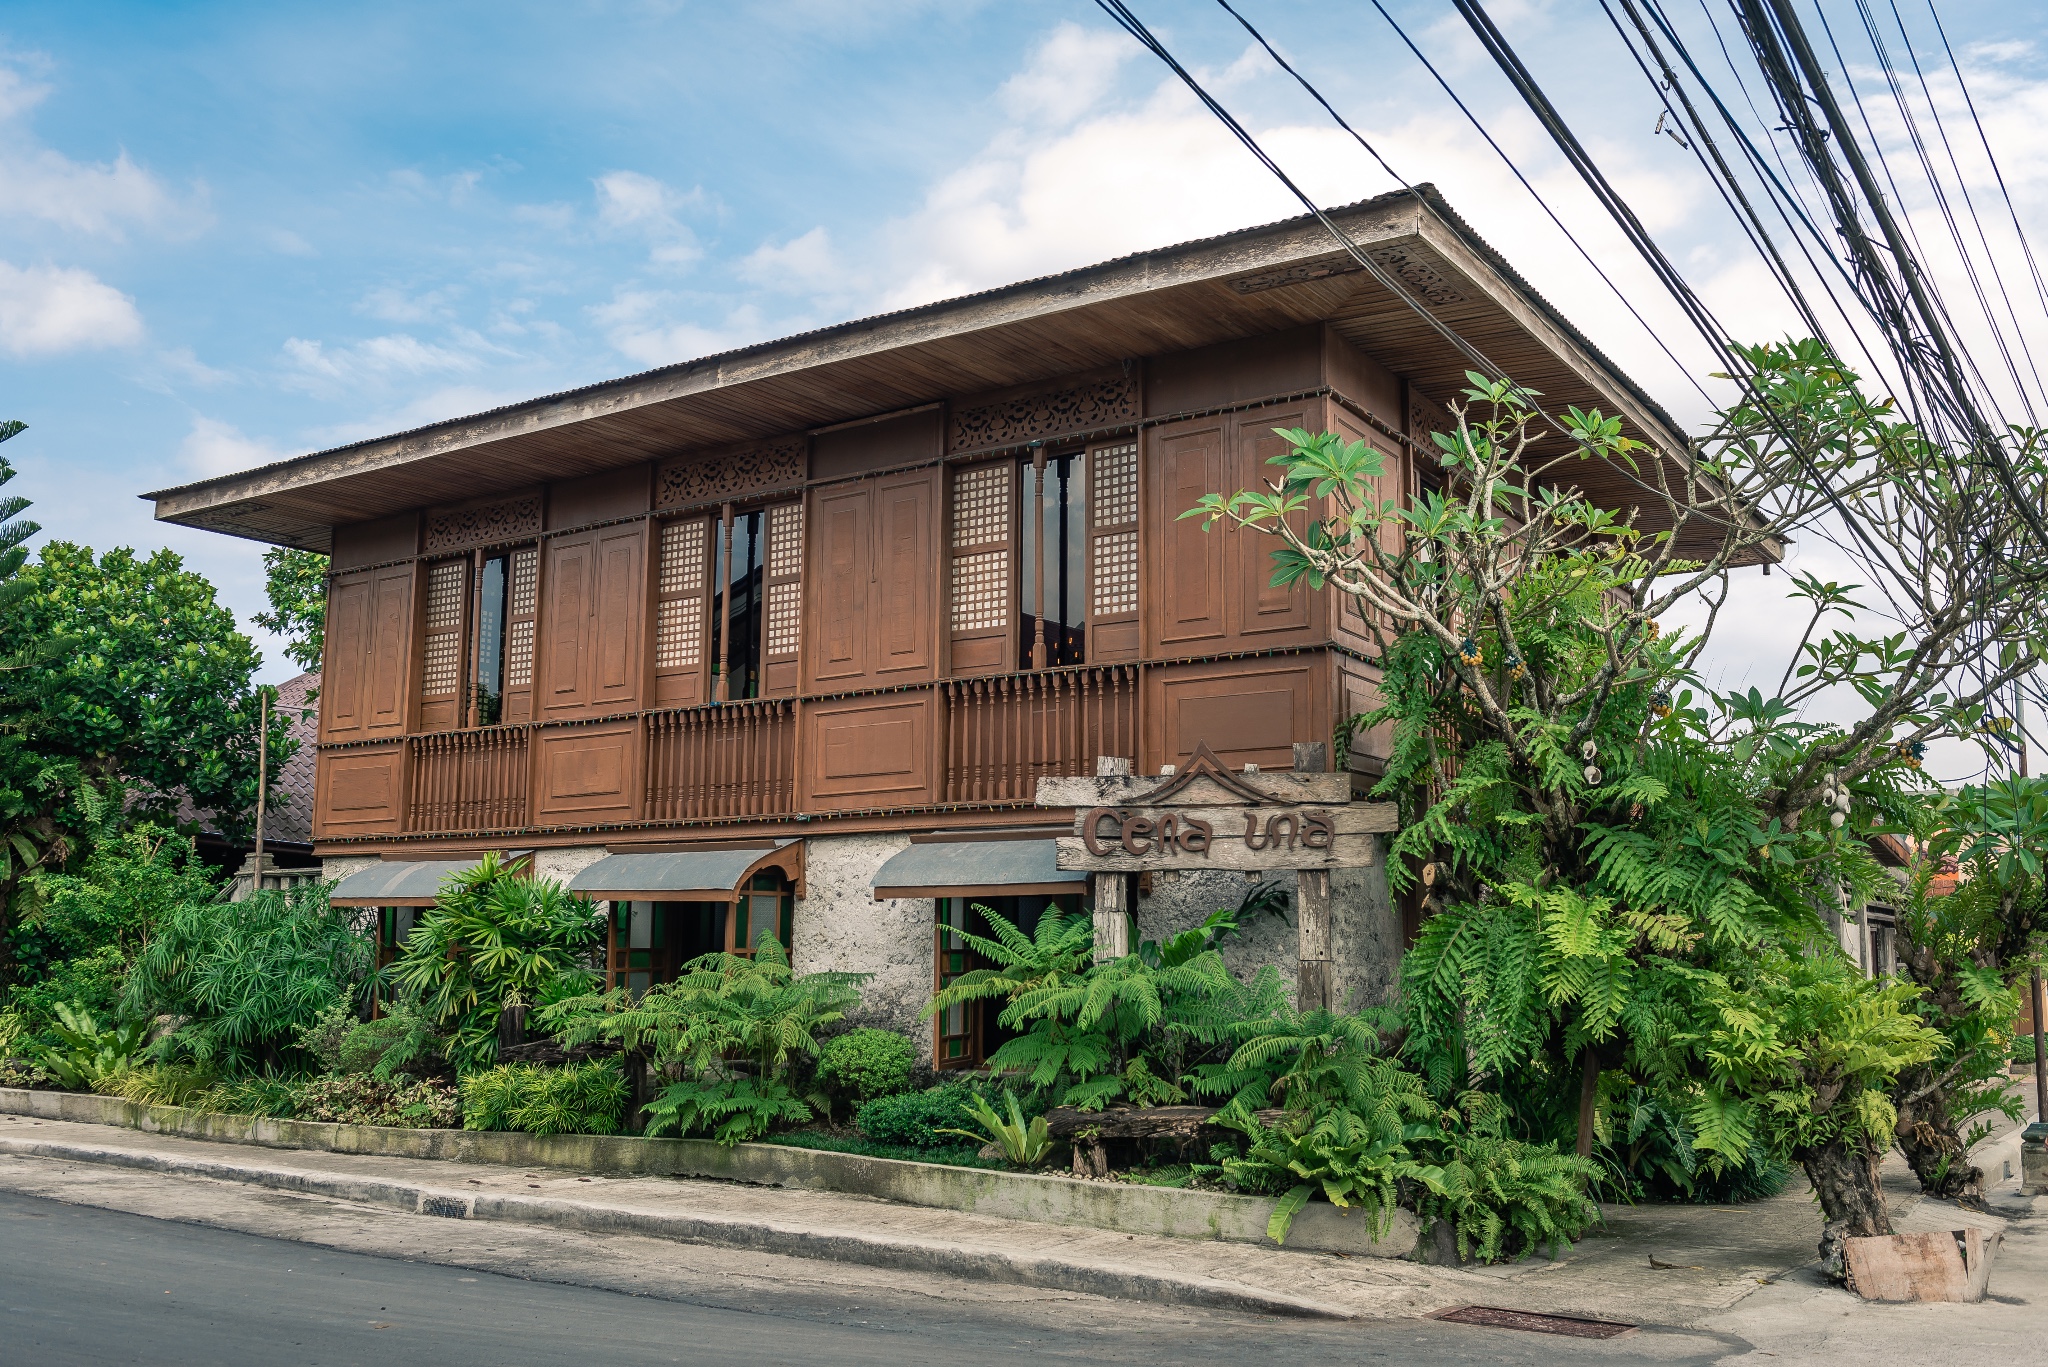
[{"x": 954, "y": 1155}]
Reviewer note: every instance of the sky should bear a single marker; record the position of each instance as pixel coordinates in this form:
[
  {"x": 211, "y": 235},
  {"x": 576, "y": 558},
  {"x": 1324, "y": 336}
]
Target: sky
[{"x": 231, "y": 233}]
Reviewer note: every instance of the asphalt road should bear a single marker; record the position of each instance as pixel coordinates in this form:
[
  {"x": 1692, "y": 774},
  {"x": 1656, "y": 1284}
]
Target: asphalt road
[{"x": 80, "y": 1285}]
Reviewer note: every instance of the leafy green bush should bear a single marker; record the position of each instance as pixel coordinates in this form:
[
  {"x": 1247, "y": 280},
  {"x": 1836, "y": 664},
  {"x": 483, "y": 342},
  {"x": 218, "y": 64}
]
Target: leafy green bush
[
  {"x": 248, "y": 978},
  {"x": 1332, "y": 1151},
  {"x": 582, "y": 1098},
  {"x": 917, "y": 1120},
  {"x": 863, "y": 1064},
  {"x": 419, "y": 1103},
  {"x": 491, "y": 940},
  {"x": 402, "y": 1040},
  {"x": 79, "y": 931},
  {"x": 84, "y": 1054},
  {"x": 1505, "y": 1198},
  {"x": 731, "y": 1031}
]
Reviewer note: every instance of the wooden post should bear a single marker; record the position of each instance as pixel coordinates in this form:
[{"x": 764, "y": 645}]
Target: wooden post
[
  {"x": 1312, "y": 907},
  {"x": 1112, "y": 890},
  {"x": 1038, "y": 553},
  {"x": 721, "y": 564},
  {"x": 2040, "y": 1050},
  {"x": 262, "y": 772}
]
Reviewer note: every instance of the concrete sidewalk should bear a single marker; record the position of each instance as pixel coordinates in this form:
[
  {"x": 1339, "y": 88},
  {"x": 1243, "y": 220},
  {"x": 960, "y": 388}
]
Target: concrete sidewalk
[{"x": 1681, "y": 1266}]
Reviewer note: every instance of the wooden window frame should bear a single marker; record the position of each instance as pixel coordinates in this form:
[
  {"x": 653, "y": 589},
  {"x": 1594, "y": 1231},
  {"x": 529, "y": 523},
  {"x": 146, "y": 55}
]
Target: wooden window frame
[
  {"x": 685, "y": 683},
  {"x": 1105, "y": 643},
  {"x": 949, "y": 918},
  {"x": 450, "y": 637},
  {"x": 982, "y": 647}
]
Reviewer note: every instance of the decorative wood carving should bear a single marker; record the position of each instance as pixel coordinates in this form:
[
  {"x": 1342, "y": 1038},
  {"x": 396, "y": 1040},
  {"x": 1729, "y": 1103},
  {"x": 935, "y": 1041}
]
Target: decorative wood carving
[
  {"x": 1413, "y": 266},
  {"x": 511, "y": 520},
  {"x": 729, "y": 474},
  {"x": 1088, "y": 407}
]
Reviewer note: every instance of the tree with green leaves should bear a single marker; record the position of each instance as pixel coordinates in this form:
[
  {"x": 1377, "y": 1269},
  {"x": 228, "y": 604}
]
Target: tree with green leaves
[
  {"x": 152, "y": 688},
  {"x": 295, "y": 582},
  {"x": 1968, "y": 949},
  {"x": 1593, "y": 833}
]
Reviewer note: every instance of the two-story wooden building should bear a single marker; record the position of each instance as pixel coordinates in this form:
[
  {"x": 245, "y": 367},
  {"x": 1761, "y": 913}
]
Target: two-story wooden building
[{"x": 780, "y": 640}]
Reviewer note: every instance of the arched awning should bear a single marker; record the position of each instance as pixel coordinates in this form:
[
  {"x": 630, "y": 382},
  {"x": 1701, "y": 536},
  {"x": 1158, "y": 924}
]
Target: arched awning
[
  {"x": 396, "y": 883},
  {"x": 970, "y": 868},
  {"x": 703, "y": 875}
]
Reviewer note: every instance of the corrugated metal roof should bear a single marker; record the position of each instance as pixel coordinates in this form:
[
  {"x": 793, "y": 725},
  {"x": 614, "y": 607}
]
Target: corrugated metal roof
[
  {"x": 395, "y": 884},
  {"x": 680, "y": 876},
  {"x": 996, "y": 868},
  {"x": 1426, "y": 192}
]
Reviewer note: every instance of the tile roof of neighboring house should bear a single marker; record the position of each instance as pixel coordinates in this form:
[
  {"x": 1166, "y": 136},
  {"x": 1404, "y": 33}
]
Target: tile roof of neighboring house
[{"x": 290, "y": 821}]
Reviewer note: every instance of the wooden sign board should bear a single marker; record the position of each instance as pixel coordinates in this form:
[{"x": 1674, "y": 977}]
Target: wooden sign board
[{"x": 1207, "y": 816}]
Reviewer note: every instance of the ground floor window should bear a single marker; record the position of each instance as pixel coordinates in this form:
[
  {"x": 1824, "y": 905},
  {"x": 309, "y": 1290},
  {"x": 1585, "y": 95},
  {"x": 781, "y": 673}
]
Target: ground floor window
[
  {"x": 651, "y": 941},
  {"x": 766, "y": 906},
  {"x": 964, "y": 1036}
]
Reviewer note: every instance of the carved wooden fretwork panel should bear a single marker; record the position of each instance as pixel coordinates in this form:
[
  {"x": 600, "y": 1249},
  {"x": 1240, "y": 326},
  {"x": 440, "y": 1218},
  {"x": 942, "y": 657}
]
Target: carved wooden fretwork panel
[
  {"x": 1087, "y": 407},
  {"x": 1415, "y": 267},
  {"x": 1425, "y": 416},
  {"x": 487, "y": 525},
  {"x": 728, "y": 474}
]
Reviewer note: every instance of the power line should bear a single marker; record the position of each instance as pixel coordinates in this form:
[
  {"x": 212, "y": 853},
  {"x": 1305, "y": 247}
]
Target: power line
[{"x": 1317, "y": 96}]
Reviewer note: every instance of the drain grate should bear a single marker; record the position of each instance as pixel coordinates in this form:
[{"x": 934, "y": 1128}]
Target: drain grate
[{"x": 1571, "y": 1326}]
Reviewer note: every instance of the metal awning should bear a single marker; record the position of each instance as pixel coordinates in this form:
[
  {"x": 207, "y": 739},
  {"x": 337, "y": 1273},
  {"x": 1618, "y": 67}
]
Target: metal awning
[
  {"x": 992, "y": 868},
  {"x": 686, "y": 875},
  {"x": 395, "y": 884}
]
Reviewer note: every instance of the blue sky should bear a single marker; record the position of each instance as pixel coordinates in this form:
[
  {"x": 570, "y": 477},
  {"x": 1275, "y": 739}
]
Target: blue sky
[{"x": 234, "y": 232}]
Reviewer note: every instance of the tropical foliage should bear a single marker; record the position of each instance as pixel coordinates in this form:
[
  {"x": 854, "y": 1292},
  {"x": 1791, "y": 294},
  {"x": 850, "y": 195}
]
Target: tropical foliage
[
  {"x": 239, "y": 982},
  {"x": 492, "y": 940},
  {"x": 736, "y": 1035},
  {"x": 582, "y": 1098}
]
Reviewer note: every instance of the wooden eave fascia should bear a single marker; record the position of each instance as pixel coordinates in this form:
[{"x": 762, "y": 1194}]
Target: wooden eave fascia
[{"x": 1539, "y": 323}]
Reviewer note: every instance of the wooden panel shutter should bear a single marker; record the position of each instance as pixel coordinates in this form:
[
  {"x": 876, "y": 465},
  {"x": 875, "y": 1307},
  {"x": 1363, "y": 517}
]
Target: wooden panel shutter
[
  {"x": 681, "y": 591},
  {"x": 441, "y": 646},
  {"x": 342, "y": 690},
  {"x": 783, "y": 616},
  {"x": 1113, "y": 552},
  {"x": 618, "y": 618},
  {"x": 522, "y": 608},
  {"x": 565, "y": 624},
  {"x": 842, "y": 537},
  {"x": 983, "y": 573},
  {"x": 390, "y": 682},
  {"x": 905, "y": 629}
]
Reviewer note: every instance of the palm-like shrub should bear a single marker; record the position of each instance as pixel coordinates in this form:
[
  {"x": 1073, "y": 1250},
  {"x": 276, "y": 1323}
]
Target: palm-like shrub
[
  {"x": 493, "y": 940},
  {"x": 247, "y": 978},
  {"x": 731, "y": 1031}
]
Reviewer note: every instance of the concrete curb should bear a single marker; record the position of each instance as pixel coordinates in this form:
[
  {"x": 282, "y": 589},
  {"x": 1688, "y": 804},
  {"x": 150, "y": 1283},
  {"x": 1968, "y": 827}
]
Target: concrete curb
[
  {"x": 1126, "y": 1208},
  {"x": 946, "y": 1259}
]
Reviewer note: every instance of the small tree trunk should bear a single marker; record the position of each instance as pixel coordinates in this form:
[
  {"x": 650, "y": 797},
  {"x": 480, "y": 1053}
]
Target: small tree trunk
[
  {"x": 1844, "y": 1177},
  {"x": 1589, "y": 1099},
  {"x": 1927, "y": 1135}
]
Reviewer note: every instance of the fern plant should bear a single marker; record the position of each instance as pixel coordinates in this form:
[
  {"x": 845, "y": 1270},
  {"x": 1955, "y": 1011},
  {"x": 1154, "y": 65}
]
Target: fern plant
[{"x": 731, "y": 1031}]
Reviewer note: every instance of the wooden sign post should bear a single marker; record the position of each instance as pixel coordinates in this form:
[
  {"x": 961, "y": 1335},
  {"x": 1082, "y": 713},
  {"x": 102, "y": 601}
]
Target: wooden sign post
[{"x": 1207, "y": 816}]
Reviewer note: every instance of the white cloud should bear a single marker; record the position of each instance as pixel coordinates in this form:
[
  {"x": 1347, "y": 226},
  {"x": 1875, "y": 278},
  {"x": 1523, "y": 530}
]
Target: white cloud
[
  {"x": 18, "y": 94},
  {"x": 285, "y": 242},
  {"x": 49, "y": 309},
  {"x": 438, "y": 405},
  {"x": 181, "y": 365},
  {"x": 803, "y": 263},
  {"x": 1071, "y": 71},
  {"x": 639, "y": 324},
  {"x": 629, "y": 202},
  {"x": 394, "y": 305},
  {"x": 98, "y": 199},
  {"x": 214, "y": 447},
  {"x": 316, "y": 368}
]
